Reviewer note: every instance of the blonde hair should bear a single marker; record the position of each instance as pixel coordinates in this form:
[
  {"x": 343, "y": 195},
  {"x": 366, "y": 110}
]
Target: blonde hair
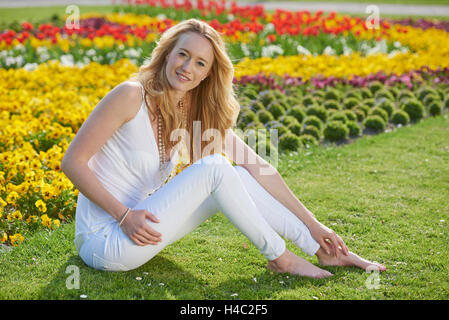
[{"x": 213, "y": 101}]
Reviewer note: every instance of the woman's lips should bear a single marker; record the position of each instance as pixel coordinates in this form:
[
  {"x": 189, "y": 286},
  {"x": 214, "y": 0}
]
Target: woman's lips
[{"x": 182, "y": 77}]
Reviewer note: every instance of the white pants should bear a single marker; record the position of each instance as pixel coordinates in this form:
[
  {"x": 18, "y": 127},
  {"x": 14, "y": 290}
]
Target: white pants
[{"x": 208, "y": 186}]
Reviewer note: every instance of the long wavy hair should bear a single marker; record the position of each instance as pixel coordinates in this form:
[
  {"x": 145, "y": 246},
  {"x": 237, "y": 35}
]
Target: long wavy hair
[{"x": 213, "y": 101}]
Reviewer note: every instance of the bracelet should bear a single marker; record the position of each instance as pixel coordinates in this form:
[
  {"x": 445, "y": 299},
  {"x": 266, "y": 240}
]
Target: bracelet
[{"x": 124, "y": 216}]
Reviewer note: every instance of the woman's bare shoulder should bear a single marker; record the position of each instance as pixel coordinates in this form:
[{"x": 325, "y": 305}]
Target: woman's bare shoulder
[{"x": 128, "y": 94}]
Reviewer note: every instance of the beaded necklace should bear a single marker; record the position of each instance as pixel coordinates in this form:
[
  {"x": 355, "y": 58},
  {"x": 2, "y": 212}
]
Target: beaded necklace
[{"x": 163, "y": 163}]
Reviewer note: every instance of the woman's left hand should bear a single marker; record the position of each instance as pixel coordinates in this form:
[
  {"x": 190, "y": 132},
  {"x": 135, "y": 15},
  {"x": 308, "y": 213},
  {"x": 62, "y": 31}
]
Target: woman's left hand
[{"x": 328, "y": 239}]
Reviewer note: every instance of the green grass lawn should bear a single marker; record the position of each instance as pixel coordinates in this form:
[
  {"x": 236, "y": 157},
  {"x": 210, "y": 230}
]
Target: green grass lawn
[{"x": 386, "y": 195}]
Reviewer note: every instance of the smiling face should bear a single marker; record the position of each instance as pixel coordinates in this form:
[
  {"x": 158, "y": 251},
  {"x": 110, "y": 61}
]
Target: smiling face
[{"x": 189, "y": 63}]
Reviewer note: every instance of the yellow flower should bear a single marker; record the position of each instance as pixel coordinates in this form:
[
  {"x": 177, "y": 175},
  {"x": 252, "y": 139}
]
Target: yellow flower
[
  {"x": 17, "y": 215},
  {"x": 46, "y": 221},
  {"x": 32, "y": 219},
  {"x": 41, "y": 205},
  {"x": 16, "y": 239},
  {"x": 12, "y": 197},
  {"x": 56, "y": 223},
  {"x": 4, "y": 237}
]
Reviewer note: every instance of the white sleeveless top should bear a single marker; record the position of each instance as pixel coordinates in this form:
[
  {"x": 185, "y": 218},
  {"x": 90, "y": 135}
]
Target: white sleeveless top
[{"x": 127, "y": 165}]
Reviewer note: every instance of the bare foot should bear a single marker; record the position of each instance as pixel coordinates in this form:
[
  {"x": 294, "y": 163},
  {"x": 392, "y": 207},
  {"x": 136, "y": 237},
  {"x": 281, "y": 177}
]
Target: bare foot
[
  {"x": 291, "y": 263},
  {"x": 351, "y": 260}
]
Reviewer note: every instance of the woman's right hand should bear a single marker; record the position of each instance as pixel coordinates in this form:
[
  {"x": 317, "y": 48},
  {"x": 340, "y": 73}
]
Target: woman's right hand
[{"x": 138, "y": 230}]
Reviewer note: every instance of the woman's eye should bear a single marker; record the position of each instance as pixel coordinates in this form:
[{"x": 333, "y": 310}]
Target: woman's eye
[
  {"x": 201, "y": 64},
  {"x": 182, "y": 53}
]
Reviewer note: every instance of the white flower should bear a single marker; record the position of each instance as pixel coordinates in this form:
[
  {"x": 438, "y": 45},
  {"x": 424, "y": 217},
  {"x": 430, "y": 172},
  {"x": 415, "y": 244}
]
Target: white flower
[
  {"x": 41, "y": 50},
  {"x": 131, "y": 53},
  {"x": 30, "y": 67},
  {"x": 245, "y": 49},
  {"x": 272, "y": 50},
  {"x": 302, "y": 50},
  {"x": 269, "y": 27},
  {"x": 67, "y": 60},
  {"x": 329, "y": 51},
  {"x": 91, "y": 52},
  {"x": 44, "y": 56}
]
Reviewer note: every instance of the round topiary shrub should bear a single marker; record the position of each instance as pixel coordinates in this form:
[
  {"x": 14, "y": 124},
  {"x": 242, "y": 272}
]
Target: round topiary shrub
[
  {"x": 424, "y": 91},
  {"x": 383, "y": 94},
  {"x": 415, "y": 109},
  {"x": 307, "y": 141},
  {"x": 276, "y": 125},
  {"x": 388, "y": 106},
  {"x": 255, "y": 125},
  {"x": 354, "y": 128},
  {"x": 338, "y": 116},
  {"x": 331, "y": 112},
  {"x": 400, "y": 117},
  {"x": 318, "y": 94},
  {"x": 278, "y": 94},
  {"x": 308, "y": 100},
  {"x": 365, "y": 93},
  {"x": 350, "y": 103},
  {"x": 375, "y": 122},
  {"x": 360, "y": 114},
  {"x": 375, "y": 86},
  {"x": 313, "y": 121},
  {"x": 435, "y": 108},
  {"x": 353, "y": 94},
  {"x": 246, "y": 116},
  {"x": 332, "y": 94},
  {"x": 276, "y": 109},
  {"x": 257, "y": 106},
  {"x": 331, "y": 104},
  {"x": 283, "y": 103},
  {"x": 394, "y": 92},
  {"x": 369, "y": 102},
  {"x": 336, "y": 131},
  {"x": 251, "y": 93},
  {"x": 350, "y": 115},
  {"x": 405, "y": 95},
  {"x": 264, "y": 116},
  {"x": 289, "y": 142},
  {"x": 311, "y": 130},
  {"x": 297, "y": 112},
  {"x": 379, "y": 112},
  {"x": 244, "y": 102},
  {"x": 267, "y": 98},
  {"x": 292, "y": 101},
  {"x": 287, "y": 120},
  {"x": 318, "y": 111},
  {"x": 363, "y": 107},
  {"x": 430, "y": 98},
  {"x": 295, "y": 128}
]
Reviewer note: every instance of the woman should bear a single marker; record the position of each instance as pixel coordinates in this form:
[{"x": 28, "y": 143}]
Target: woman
[{"x": 126, "y": 149}]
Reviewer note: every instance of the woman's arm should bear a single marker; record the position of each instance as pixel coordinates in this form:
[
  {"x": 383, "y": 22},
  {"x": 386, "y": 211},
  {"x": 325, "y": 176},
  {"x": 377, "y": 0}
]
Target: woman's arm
[
  {"x": 270, "y": 179},
  {"x": 117, "y": 107}
]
